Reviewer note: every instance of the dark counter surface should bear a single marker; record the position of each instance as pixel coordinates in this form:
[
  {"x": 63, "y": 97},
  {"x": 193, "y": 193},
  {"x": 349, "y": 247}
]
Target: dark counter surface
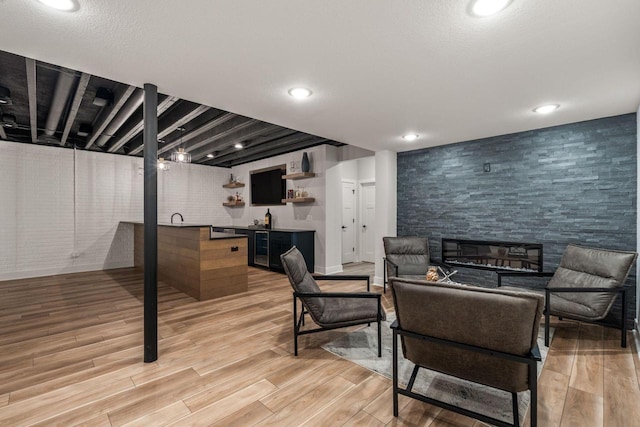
[
  {"x": 257, "y": 228},
  {"x": 218, "y": 236},
  {"x": 168, "y": 224}
]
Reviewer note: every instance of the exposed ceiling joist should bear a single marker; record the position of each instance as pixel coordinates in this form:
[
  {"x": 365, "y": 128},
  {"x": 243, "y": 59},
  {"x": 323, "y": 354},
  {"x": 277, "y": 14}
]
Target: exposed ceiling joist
[
  {"x": 224, "y": 130},
  {"x": 137, "y": 127},
  {"x": 171, "y": 127},
  {"x": 263, "y": 147},
  {"x": 185, "y": 119},
  {"x": 33, "y": 100},
  {"x": 75, "y": 106},
  {"x": 197, "y": 132},
  {"x": 61, "y": 93},
  {"x": 240, "y": 136},
  {"x": 103, "y": 120},
  {"x": 311, "y": 142},
  {"x": 91, "y": 112}
]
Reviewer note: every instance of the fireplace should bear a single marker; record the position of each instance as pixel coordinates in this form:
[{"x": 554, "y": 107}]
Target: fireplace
[{"x": 490, "y": 255}]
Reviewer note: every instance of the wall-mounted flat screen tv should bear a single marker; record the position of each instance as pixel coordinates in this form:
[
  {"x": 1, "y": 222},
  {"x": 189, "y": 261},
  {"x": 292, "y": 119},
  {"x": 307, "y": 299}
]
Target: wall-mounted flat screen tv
[{"x": 267, "y": 186}]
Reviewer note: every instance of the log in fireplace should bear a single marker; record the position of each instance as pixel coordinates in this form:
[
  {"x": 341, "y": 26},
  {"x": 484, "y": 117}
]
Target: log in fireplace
[{"x": 489, "y": 255}]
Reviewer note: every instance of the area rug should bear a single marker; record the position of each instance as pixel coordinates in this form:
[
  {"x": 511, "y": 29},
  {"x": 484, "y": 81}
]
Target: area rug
[{"x": 361, "y": 347}]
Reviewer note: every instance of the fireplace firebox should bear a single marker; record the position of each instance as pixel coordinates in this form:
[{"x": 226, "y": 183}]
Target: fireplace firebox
[{"x": 489, "y": 255}]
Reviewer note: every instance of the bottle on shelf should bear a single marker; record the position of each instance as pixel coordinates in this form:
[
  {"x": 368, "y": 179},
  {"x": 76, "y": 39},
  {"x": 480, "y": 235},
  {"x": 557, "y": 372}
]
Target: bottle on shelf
[{"x": 267, "y": 220}]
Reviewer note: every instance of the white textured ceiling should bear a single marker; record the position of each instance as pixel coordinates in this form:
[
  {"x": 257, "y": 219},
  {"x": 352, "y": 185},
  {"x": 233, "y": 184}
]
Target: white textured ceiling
[{"x": 378, "y": 68}]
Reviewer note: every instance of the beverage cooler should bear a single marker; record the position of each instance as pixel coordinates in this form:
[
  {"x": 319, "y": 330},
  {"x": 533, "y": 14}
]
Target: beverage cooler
[{"x": 261, "y": 248}]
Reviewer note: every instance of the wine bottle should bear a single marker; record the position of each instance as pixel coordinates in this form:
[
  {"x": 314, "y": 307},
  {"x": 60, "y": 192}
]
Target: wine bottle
[{"x": 267, "y": 220}]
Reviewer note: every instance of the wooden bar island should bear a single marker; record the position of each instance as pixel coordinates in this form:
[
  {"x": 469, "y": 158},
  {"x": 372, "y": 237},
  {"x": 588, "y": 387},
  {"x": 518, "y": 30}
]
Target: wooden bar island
[{"x": 194, "y": 260}]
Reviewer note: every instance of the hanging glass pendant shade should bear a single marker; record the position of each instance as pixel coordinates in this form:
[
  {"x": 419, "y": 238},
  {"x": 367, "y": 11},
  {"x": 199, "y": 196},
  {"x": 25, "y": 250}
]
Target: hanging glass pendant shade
[
  {"x": 181, "y": 156},
  {"x": 163, "y": 165}
]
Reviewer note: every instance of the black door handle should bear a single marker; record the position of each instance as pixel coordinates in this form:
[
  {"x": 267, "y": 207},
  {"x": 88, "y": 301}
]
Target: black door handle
[
  {"x": 364, "y": 226},
  {"x": 343, "y": 227}
]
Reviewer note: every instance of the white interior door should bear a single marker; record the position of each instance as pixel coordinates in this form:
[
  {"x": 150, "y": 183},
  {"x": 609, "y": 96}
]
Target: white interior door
[
  {"x": 368, "y": 221},
  {"x": 348, "y": 221}
]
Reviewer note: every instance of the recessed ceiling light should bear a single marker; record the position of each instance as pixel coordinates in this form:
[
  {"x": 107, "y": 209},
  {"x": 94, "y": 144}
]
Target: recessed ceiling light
[
  {"x": 64, "y": 5},
  {"x": 239, "y": 145},
  {"x": 210, "y": 156},
  {"x": 300, "y": 92},
  {"x": 488, "y": 7},
  {"x": 545, "y": 109},
  {"x": 410, "y": 137}
]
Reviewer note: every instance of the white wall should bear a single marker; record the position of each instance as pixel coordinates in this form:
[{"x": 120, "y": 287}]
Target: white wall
[
  {"x": 333, "y": 231},
  {"x": 302, "y": 216},
  {"x": 386, "y": 204},
  {"x": 37, "y": 211}
]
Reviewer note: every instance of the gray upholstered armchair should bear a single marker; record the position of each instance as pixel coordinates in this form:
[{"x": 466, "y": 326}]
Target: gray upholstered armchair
[
  {"x": 487, "y": 336},
  {"x": 407, "y": 257},
  {"x": 329, "y": 310},
  {"x": 585, "y": 285}
]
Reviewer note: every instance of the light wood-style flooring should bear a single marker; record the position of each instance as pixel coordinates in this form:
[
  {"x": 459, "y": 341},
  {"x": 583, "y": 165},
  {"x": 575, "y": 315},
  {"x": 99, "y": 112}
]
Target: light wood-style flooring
[{"x": 71, "y": 354}]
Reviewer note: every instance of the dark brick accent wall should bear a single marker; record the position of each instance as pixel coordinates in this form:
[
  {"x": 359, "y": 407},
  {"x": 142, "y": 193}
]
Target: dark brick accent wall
[{"x": 573, "y": 183}]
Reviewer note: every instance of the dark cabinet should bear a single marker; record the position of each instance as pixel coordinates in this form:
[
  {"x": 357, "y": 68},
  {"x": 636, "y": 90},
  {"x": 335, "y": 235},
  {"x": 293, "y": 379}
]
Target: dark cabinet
[
  {"x": 268, "y": 245},
  {"x": 282, "y": 241},
  {"x": 251, "y": 242}
]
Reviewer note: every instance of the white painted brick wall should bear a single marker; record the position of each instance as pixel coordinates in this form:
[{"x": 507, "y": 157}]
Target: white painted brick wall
[{"x": 36, "y": 211}]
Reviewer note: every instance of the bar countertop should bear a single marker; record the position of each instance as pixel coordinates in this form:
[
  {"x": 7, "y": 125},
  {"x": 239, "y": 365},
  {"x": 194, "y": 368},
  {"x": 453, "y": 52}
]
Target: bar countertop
[
  {"x": 217, "y": 236},
  {"x": 256, "y": 228},
  {"x": 213, "y": 235}
]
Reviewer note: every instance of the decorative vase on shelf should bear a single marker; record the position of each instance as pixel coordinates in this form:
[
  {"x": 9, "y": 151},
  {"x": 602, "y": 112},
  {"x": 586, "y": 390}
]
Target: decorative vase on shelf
[{"x": 305, "y": 162}]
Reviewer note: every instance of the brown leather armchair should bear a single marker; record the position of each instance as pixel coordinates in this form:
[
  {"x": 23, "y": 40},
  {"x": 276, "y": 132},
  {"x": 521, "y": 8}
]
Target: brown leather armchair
[
  {"x": 585, "y": 285},
  {"x": 482, "y": 335},
  {"x": 329, "y": 310},
  {"x": 407, "y": 257}
]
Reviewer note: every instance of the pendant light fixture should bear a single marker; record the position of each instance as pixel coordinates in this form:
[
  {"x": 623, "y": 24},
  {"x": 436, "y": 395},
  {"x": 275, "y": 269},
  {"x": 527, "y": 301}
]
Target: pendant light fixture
[
  {"x": 181, "y": 156},
  {"x": 163, "y": 165}
]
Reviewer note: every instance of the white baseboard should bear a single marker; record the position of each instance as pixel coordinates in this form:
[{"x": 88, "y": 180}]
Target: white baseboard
[
  {"x": 329, "y": 270},
  {"x": 15, "y": 275},
  {"x": 378, "y": 281}
]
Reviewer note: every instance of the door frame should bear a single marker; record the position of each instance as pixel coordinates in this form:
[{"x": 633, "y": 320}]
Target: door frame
[
  {"x": 359, "y": 218},
  {"x": 356, "y": 217}
]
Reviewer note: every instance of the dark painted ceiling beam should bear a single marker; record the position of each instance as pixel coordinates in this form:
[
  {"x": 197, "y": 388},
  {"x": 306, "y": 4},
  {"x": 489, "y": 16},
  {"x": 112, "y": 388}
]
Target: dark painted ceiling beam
[
  {"x": 256, "y": 147},
  {"x": 259, "y": 147},
  {"x": 312, "y": 142},
  {"x": 75, "y": 106},
  {"x": 205, "y": 129},
  {"x": 174, "y": 119},
  {"x": 106, "y": 116},
  {"x": 232, "y": 125},
  {"x": 137, "y": 127},
  {"x": 252, "y": 131},
  {"x": 30, "y": 65}
]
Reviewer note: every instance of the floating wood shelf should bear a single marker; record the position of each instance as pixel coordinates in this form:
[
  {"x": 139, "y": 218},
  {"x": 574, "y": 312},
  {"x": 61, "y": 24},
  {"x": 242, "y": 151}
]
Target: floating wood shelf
[
  {"x": 299, "y": 200},
  {"x": 233, "y": 185},
  {"x": 232, "y": 204},
  {"x": 299, "y": 175}
]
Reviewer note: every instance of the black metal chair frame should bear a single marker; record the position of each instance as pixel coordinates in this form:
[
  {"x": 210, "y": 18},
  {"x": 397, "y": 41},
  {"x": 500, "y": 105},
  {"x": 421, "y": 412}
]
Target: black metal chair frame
[
  {"x": 530, "y": 360},
  {"x": 298, "y": 322},
  {"x": 623, "y": 290},
  {"x": 623, "y": 323}
]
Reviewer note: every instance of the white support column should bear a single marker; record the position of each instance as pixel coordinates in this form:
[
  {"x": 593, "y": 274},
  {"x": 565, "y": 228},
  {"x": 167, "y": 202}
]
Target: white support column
[{"x": 386, "y": 204}]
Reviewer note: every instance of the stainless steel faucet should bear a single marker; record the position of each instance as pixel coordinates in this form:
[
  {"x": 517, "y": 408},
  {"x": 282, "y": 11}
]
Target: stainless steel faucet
[{"x": 177, "y": 213}]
